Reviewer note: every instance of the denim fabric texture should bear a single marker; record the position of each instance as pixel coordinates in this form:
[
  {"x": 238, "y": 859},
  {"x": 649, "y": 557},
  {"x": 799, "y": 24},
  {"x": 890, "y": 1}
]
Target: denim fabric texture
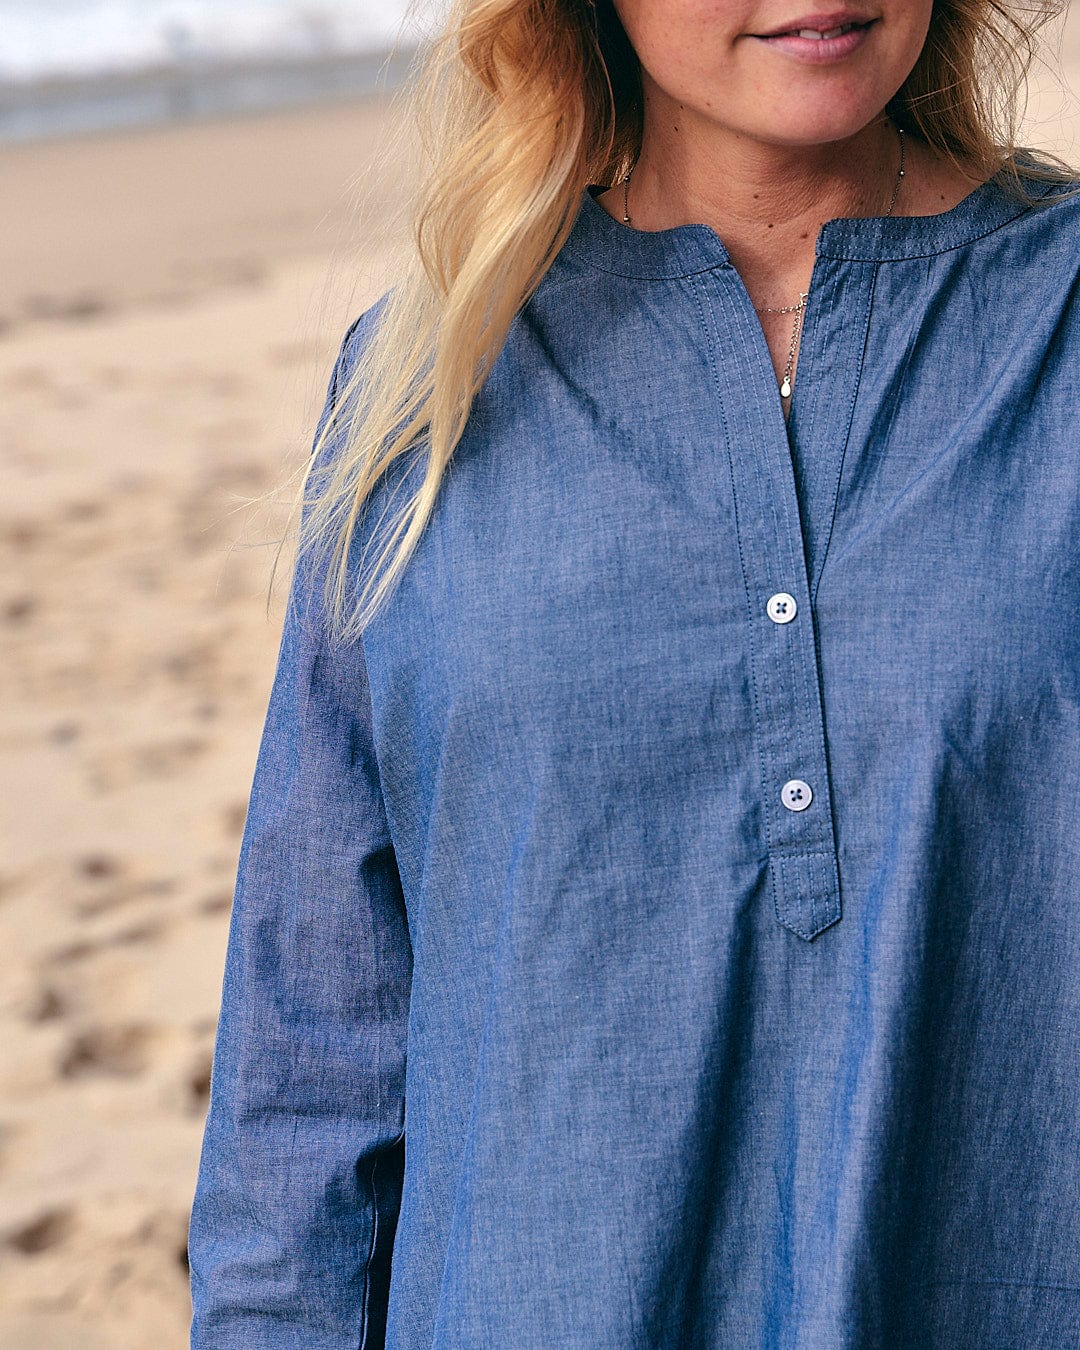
[{"x": 662, "y": 930}]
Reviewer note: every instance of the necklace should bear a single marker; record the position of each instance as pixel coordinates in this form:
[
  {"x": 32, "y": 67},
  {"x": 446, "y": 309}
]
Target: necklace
[{"x": 800, "y": 308}]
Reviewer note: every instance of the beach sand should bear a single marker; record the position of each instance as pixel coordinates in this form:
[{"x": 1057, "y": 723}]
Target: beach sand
[{"x": 171, "y": 301}]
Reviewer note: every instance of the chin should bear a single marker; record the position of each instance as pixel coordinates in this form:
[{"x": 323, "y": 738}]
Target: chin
[{"x": 818, "y": 122}]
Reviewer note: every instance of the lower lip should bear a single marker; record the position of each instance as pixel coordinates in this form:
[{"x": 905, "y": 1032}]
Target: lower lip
[{"x": 819, "y": 51}]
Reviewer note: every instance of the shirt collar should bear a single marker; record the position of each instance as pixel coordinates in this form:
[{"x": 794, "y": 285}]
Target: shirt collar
[{"x": 604, "y": 242}]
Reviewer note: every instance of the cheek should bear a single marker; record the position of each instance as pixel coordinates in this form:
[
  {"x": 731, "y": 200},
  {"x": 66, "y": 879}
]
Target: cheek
[
  {"x": 679, "y": 37},
  {"x": 681, "y": 43},
  {"x": 903, "y": 36},
  {"x": 906, "y": 28}
]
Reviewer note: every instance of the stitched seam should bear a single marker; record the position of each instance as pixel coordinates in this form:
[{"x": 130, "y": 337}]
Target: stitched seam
[
  {"x": 794, "y": 922},
  {"x": 822, "y": 878},
  {"x": 811, "y": 323},
  {"x": 585, "y": 254},
  {"x": 818, "y": 894},
  {"x": 708, "y": 327},
  {"x": 798, "y": 676},
  {"x": 365, "y": 1319},
  {"x": 796, "y": 847},
  {"x": 777, "y": 874},
  {"x": 932, "y": 252},
  {"x": 847, "y": 436},
  {"x": 1009, "y": 1284},
  {"x": 814, "y": 871},
  {"x": 909, "y": 355},
  {"x": 582, "y": 254},
  {"x": 657, "y": 276},
  {"x": 816, "y": 580}
]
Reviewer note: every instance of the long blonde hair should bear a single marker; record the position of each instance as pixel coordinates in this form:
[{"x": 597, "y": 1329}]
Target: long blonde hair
[{"x": 520, "y": 105}]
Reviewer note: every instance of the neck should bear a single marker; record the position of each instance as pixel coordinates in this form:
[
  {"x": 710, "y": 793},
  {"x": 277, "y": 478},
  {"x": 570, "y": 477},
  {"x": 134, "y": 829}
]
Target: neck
[{"x": 767, "y": 202}]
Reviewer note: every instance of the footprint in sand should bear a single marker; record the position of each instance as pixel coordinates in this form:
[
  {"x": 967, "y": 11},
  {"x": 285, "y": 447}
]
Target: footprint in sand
[
  {"x": 22, "y": 535},
  {"x": 104, "y": 874},
  {"x": 188, "y": 1089},
  {"x": 7, "y": 1135},
  {"x": 84, "y": 509},
  {"x": 104, "y": 877},
  {"x": 30, "y": 379},
  {"x": 198, "y": 1084},
  {"x": 117, "y": 769},
  {"x": 112, "y": 1052},
  {"x": 137, "y": 933},
  {"x": 166, "y": 1230},
  {"x": 196, "y": 662},
  {"x": 73, "y": 951},
  {"x": 217, "y": 902},
  {"x": 99, "y": 866},
  {"x": 18, "y": 609},
  {"x": 47, "y": 1230},
  {"x": 82, "y": 305},
  {"x": 233, "y": 818},
  {"x": 46, "y": 1005},
  {"x": 166, "y": 758}
]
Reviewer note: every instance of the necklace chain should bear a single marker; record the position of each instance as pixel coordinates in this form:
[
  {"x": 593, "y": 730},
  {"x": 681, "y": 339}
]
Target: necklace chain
[{"x": 798, "y": 309}]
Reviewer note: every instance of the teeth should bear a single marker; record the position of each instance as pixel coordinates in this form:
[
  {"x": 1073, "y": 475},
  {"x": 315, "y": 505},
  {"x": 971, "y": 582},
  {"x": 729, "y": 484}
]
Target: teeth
[{"x": 820, "y": 37}]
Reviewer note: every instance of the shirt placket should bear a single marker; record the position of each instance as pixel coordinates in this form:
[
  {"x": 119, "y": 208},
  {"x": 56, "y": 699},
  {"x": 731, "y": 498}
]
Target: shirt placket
[{"x": 787, "y": 703}]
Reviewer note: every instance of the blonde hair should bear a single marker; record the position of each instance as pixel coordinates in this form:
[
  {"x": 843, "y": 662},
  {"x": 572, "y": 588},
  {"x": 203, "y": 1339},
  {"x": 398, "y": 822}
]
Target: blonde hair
[{"x": 520, "y": 105}]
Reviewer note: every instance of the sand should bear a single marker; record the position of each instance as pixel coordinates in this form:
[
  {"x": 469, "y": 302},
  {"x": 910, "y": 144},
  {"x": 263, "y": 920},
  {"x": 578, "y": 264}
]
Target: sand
[
  {"x": 170, "y": 315},
  {"x": 170, "y": 303}
]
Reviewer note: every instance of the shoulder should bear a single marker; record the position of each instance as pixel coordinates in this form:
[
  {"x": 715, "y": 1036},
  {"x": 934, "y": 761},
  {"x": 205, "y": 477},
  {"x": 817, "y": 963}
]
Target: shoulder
[
  {"x": 1054, "y": 214},
  {"x": 1047, "y": 261},
  {"x": 356, "y": 338},
  {"x": 339, "y": 397}
]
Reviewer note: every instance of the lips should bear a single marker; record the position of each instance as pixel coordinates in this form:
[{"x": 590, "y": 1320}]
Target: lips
[
  {"x": 820, "y": 39},
  {"x": 820, "y": 27},
  {"x": 820, "y": 36}
]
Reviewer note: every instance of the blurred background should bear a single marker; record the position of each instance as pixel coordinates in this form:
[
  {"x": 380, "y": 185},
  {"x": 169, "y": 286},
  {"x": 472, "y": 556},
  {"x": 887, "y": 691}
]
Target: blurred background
[{"x": 198, "y": 197}]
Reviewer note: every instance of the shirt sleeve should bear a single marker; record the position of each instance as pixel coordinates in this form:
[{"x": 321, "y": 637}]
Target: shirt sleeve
[{"x": 300, "y": 1176}]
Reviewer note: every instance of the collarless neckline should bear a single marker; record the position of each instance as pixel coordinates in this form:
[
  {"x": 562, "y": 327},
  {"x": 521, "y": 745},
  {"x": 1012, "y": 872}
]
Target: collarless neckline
[{"x": 681, "y": 250}]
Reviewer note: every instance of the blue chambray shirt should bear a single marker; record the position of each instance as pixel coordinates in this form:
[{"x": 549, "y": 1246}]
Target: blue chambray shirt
[{"x": 702, "y": 817}]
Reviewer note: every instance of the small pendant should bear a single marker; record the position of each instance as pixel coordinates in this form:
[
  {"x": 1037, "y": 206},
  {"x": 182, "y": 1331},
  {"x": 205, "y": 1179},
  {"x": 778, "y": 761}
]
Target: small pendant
[{"x": 785, "y": 388}]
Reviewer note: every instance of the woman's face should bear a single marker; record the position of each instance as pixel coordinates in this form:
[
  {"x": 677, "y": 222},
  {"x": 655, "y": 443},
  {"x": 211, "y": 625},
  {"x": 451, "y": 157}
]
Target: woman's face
[{"x": 740, "y": 64}]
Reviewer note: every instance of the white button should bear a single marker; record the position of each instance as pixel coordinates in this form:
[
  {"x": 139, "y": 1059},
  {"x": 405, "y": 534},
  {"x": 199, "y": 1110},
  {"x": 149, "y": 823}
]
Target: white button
[
  {"x": 796, "y": 795},
  {"x": 781, "y": 607}
]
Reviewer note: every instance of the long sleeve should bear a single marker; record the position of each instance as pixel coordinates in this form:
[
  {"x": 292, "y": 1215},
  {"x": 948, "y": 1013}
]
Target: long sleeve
[{"x": 300, "y": 1175}]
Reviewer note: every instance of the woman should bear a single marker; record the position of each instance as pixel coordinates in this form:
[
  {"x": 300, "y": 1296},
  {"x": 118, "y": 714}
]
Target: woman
[{"x": 657, "y": 923}]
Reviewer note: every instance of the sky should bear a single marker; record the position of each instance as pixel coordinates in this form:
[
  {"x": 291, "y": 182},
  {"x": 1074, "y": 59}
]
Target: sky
[{"x": 46, "y": 37}]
